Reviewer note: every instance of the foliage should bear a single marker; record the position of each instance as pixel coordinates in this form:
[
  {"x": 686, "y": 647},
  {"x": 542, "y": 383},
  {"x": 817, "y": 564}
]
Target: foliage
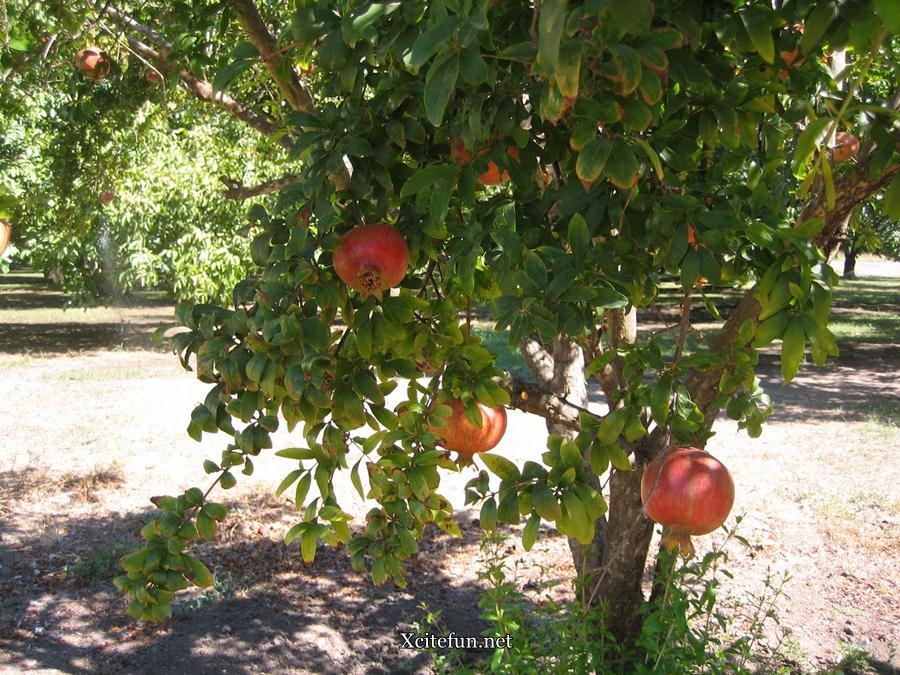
[
  {"x": 653, "y": 139},
  {"x": 168, "y": 225},
  {"x": 873, "y": 231},
  {"x": 685, "y": 628}
]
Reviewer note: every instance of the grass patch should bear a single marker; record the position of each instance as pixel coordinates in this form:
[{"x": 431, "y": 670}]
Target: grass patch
[
  {"x": 508, "y": 356},
  {"x": 99, "y": 565}
]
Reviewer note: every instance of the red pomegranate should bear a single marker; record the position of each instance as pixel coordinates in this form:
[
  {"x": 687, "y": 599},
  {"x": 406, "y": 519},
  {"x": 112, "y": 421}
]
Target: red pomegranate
[
  {"x": 106, "y": 196},
  {"x": 493, "y": 175},
  {"x": 846, "y": 145},
  {"x": 5, "y": 234},
  {"x": 371, "y": 259},
  {"x": 459, "y": 434},
  {"x": 92, "y": 63},
  {"x": 689, "y": 492},
  {"x": 153, "y": 77}
]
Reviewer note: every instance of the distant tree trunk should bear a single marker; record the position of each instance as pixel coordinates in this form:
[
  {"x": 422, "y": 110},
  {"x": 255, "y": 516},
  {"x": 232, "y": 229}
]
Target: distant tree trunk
[{"x": 850, "y": 255}]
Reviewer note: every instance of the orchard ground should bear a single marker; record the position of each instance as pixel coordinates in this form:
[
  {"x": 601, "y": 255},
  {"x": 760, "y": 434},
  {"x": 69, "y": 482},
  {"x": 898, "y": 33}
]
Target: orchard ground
[{"x": 94, "y": 424}]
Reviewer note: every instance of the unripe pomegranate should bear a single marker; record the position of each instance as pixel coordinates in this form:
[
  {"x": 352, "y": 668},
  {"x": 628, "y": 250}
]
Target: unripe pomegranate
[
  {"x": 371, "y": 259},
  {"x": 846, "y": 145},
  {"x": 689, "y": 492},
  {"x": 5, "y": 234},
  {"x": 106, "y": 196},
  {"x": 459, "y": 434},
  {"x": 493, "y": 175},
  {"x": 92, "y": 63}
]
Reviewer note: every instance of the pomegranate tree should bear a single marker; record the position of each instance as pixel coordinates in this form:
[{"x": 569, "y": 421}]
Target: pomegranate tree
[
  {"x": 689, "y": 492},
  {"x": 92, "y": 63},
  {"x": 467, "y": 439},
  {"x": 371, "y": 258}
]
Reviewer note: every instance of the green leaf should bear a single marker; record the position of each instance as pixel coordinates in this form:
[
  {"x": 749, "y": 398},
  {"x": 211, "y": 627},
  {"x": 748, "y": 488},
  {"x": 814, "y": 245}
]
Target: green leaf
[
  {"x": 440, "y": 83},
  {"x": 690, "y": 270},
  {"x": 568, "y": 70},
  {"x": 659, "y": 399},
  {"x": 530, "y": 531},
  {"x": 579, "y": 238},
  {"x": 297, "y": 453},
  {"x": 612, "y": 425},
  {"x": 582, "y": 527},
  {"x": 828, "y": 180},
  {"x": 508, "y": 511},
  {"x": 891, "y": 203},
  {"x": 288, "y": 481},
  {"x": 544, "y": 503},
  {"x": 206, "y": 526},
  {"x": 229, "y": 72},
  {"x": 622, "y": 167},
  {"x": 500, "y": 466},
  {"x": 792, "y": 349},
  {"x": 652, "y": 156},
  {"x": 818, "y": 21},
  {"x": 807, "y": 142},
  {"x": 308, "y": 541},
  {"x": 429, "y": 42},
  {"x": 618, "y": 457},
  {"x": 425, "y": 177},
  {"x": 889, "y": 12},
  {"x": 760, "y": 33},
  {"x": 628, "y": 67},
  {"x": 770, "y": 329},
  {"x": 302, "y": 490},
  {"x": 592, "y": 159},
  {"x": 472, "y": 66},
  {"x": 199, "y": 573},
  {"x": 551, "y": 23},
  {"x": 488, "y": 517}
]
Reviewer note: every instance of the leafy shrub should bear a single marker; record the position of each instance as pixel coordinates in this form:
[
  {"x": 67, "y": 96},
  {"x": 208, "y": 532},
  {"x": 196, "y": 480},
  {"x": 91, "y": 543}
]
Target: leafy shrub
[{"x": 685, "y": 630}]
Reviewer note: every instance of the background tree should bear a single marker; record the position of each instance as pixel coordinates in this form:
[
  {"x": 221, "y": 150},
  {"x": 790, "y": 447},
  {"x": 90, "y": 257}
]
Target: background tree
[
  {"x": 641, "y": 140},
  {"x": 873, "y": 228}
]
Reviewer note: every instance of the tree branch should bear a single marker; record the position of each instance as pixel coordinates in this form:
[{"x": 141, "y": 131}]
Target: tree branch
[
  {"x": 538, "y": 359},
  {"x": 532, "y": 398},
  {"x": 294, "y": 90},
  {"x": 237, "y": 190}
]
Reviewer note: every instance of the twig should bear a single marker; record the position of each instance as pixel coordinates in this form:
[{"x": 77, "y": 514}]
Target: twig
[{"x": 683, "y": 324}]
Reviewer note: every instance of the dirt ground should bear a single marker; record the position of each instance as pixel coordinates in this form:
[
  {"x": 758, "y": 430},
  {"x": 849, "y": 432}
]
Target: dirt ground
[{"x": 94, "y": 424}]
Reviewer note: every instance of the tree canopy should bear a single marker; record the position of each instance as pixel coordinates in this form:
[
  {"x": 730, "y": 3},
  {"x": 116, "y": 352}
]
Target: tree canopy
[{"x": 644, "y": 142}]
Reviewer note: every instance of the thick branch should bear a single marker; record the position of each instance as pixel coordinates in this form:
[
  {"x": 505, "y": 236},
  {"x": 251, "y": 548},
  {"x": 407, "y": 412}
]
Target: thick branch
[
  {"x": 538, "y": 359},
  {"x": 534, "y": 399},
  {"x": 203, "y": 90},
  {"x": 294, "y": 90},
  {"x": 237, "y": 190}
]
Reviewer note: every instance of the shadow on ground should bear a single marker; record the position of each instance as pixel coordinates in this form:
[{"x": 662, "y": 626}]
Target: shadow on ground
[{"x": 268, "y": 613}]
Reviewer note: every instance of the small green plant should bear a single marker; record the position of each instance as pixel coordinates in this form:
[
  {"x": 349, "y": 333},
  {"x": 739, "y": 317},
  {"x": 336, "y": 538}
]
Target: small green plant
[{"x": 99, "y": 565}]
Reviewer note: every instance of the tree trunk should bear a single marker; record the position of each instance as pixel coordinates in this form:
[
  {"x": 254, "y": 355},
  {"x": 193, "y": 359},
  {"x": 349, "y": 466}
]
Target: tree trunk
[{"x": 850, "y": 255}]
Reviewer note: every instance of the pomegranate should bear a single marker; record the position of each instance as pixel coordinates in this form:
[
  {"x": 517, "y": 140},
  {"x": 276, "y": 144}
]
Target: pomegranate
[
  {"x": 153, "y": 77},
  {"x": 465, "y": 438},
  {"x": 493, "y": 175},
  {"x": 371, "y": 259},
  {"x": 92, "y": 63},
  {"x": 5, "y": 234},
  {"x": 846, "y": 145},
  {"x": 689, "y": 492},
  {"x": 106, "y": 196}
]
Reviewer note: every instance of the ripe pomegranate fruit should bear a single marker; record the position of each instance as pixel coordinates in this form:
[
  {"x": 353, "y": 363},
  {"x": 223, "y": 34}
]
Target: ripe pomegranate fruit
[
  {"x": 846, "y": 145},
  {"x": 5, "y": 234},
  {"x": 689, "y": 492},
  {"x": 371, "y": 259},
  {"x": 465, "y": 438},
  {"x": 92, "y": 63},
  {"x": 493, "y": 175},
  {"x": 153, "y": 77},
  {"x": 106, "y": 196}
]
